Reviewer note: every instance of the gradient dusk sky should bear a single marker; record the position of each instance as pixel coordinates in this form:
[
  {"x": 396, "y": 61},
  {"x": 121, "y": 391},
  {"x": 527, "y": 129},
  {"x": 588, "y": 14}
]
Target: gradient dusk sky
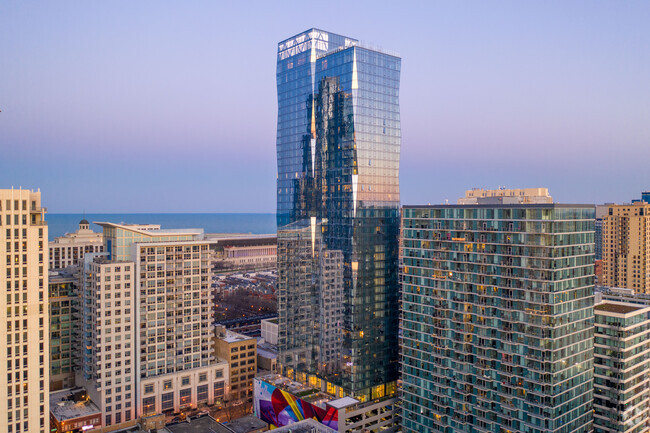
[{"x": 159, "y": 106}]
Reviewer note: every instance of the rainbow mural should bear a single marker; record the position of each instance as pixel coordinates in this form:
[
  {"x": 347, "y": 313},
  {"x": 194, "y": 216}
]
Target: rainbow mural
[{"x": 279, "y": 408}]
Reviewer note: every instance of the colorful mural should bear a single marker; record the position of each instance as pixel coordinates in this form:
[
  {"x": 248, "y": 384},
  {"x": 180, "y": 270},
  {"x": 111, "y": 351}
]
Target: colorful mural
[{"x": 279, "y": 408}]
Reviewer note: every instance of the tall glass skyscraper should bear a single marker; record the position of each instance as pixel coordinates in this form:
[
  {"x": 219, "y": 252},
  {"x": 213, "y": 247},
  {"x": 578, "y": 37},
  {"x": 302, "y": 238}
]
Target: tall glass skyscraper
[{"x": 338, "y": 144}]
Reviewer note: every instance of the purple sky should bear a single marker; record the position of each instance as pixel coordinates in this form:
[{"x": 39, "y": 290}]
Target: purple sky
[{"x": 155, "y": 106}]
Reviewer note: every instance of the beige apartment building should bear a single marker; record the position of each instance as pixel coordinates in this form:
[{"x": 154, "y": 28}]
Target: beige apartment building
[
  {"x": 70, "y": 249},
  {"x": 146, "y": 325},
  {"x": 24, "y": 353},
  {"x": 107, "y": 365},
  {"x": 626, "y": 236},
  {"x": 240, "y": 352},
  {"x": 506, "y": 196}
]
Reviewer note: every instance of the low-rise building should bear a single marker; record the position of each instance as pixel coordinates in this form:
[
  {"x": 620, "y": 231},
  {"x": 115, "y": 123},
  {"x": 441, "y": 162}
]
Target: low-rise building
[
  {"x": 270, "y": 331},
  {"x": 244, "y": 251},
  {"x": 267, "y": 357},
  {"x": 71, "y": 410},
  {"x": 304, "y": 426},
  {"x": 280, "y": 401},
  {"x": 240, "y": 352},
  {"x": 247, "y": 424},
  {"x": 69, "y": 250}
]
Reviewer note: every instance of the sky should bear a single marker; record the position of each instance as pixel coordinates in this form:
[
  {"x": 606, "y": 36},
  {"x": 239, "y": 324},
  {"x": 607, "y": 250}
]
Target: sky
[{"x": 161, "y": 106}]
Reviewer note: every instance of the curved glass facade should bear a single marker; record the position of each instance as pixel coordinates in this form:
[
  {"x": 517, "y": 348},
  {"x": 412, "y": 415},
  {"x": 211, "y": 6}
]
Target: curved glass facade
[{"x": 338, "y": 145}]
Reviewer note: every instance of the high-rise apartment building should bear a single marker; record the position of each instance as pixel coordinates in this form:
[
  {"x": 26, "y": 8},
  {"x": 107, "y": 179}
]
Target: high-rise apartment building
[
  {"x": 338, "y": 147},
  {"x": 108, "y": 345},
  {"x": 497, "y": 318},
  {"x": 621, "y": 368},
  {"x": 63, "y": 328},
  {"x": 625, "y": 247},
  {"x": 24, "y": 352},
  {"x": 147, "y": 327}
]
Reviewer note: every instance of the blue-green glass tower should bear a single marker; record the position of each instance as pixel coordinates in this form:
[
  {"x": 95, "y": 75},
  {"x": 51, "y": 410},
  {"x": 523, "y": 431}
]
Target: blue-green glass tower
[
  {"x": 497, "y": 318},
  {"x": 338, "y": 144}
]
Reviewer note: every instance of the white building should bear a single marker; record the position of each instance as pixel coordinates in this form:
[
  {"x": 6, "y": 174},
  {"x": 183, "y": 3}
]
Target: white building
[
  {"x": 70, "y": 249},
  {"x": 24, "y": 352},
  {"x": 107, "y": 362},
  {"x": 147, "y": 325}
]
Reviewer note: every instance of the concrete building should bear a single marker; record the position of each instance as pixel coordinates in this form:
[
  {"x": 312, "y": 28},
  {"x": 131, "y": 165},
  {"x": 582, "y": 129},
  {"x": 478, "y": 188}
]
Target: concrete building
[
  {"x": 270, "y": 331},
  {"x": 64, "y": 330},
  {"x": 24, "y": 352},
  {"x": 304, "y": 426},
  {"x": 240, "y": 352},
  {"x": 497, "y": 318},
  {"x": 72, "y": 411},
  {"x": 247, "y": 424},
  {"x": 108, "y": 350},
  {"x": 506, "y": 196},
  {"x": 177, "y": 365},
  {"x": 69, "y": 250},
  {"x": 626, "y": 239},
  {"x": 243, "y": 251},
  {"x": 241, "y": 257},
  {"x": 601, "y": 212},
  {"x": 147, "y": 325},
  {"x": 621, "y": 368}
]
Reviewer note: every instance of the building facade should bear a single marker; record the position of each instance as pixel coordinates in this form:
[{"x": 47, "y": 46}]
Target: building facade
[
  {"x": 64, "y": 330},
  {"x": 621, "y": 368},
  {"x": 626, "y": 238},
  {"x": 147, "y": 324},
  {"x": 69, "y": 250},
  {"x": 506, "y": 195},
  {"x": 240, "y": 352},
  {"x": 338, "y": 147},
  {"x": 107, "y": 365},
  {"x": 176, "y": 363},
  {"x": 497, "y": 318},
  {"x": 24, "y": 352}
]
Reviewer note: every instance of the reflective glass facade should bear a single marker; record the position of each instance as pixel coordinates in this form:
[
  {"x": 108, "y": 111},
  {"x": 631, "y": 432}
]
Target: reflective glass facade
[
  {"x": 497, "y": 318},
  {"x": 338, "y": 145}
]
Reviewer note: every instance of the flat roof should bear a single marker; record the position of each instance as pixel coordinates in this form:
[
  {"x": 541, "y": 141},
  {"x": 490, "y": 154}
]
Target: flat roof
[
  {"x": 246, "y": 424},
  {"x": 305, "y": 426},
  {"x": 611, "y": 307},
  {"x": 499, "y": 205},
  {"x": 63, "y": 408},
  {"x": 343, "y": 402},
  {"x": 152, "y": 230},
  {"x": 234, "y": 337},
  {"x": 203, "y": 424}
]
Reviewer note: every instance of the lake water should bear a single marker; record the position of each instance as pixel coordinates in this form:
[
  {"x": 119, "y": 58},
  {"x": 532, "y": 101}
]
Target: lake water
[{"x": 256, "y": 223}]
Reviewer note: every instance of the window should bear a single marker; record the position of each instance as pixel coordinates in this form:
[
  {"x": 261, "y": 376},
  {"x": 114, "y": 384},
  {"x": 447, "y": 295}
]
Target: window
[
  {"x": 218, "y": 374},
  {"x": 168, "y": 401},
  {"x": 202, "y": 393},
  {"x": 203, "y": 377},
  {"x": 185, "y": 380},
  {"x": 149, "y": 405},
  {"x": 148, "y": 388},
  {"x": 219, "y": 389},
  {"x": 167, "y": 384},
  {"x": 186, "y": 396}
]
